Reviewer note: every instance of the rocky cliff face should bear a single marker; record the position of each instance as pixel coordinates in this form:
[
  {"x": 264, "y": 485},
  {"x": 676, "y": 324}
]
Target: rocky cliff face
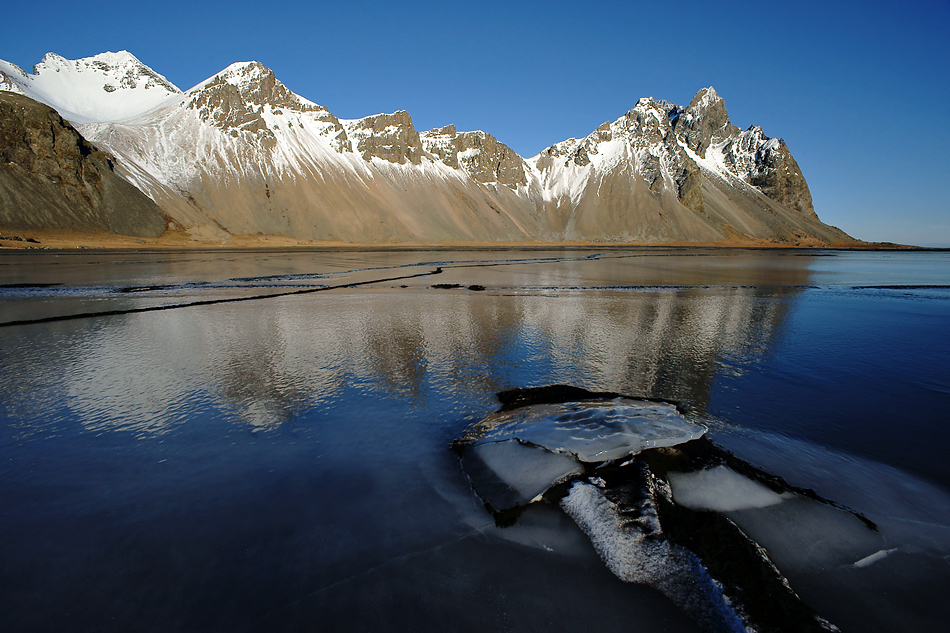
[
  {"x": 52, "y": 178},
  {"x": 764, "y": 163},
  {"x": 767, "y": 165},
  {"x": 480, "y": 155},
  {"x": 390, "y": 137},
  {"x": 242, "y": 154},
  {"x": 702, "y": 121}
]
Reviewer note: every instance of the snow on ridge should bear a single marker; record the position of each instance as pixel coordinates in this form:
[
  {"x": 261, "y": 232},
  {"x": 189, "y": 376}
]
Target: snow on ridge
[
  {"x": 12, "y": 78},
  {"x": 105, "y": 87},
  {"x": 109, "y": 64},
  {"x": 709, "y": 97},
  {"x": 237, "y": 74}
]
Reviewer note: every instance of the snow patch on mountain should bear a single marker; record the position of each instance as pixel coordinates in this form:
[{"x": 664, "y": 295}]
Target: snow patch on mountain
[{"x": 105, "y": 87}]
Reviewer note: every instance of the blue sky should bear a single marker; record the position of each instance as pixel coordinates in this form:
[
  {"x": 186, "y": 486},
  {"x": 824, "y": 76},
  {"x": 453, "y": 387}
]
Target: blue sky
[{"x": 859, "y": 91}]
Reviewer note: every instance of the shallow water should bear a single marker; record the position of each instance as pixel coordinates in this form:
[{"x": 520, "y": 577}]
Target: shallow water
[{"x": 279, "y": 461}]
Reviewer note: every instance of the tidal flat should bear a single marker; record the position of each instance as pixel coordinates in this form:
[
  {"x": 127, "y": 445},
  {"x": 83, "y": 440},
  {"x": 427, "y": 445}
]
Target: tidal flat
[{"x": 261, "y": 440}]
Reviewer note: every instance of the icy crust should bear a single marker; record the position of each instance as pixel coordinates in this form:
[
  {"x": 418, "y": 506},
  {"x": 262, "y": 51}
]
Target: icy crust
[
  {"x": 664, "y": 506},
  {"x": 797, "y": 532},
  {"x": 592, "y": 431}
]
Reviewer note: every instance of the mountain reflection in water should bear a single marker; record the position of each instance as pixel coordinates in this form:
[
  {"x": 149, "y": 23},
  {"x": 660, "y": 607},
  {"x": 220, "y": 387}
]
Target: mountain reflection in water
[{"x": 283, "y": 462}]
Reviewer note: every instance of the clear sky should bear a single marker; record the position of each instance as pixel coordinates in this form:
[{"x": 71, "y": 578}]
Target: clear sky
[{"x": 860, "y": 91}]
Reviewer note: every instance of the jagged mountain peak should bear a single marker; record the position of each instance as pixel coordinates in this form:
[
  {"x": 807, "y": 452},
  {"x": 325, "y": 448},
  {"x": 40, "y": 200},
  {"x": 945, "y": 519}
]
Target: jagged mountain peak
[
  {"x": 649, "y": 115},
  {"x": 239, "y": 74},
  {"x": 254, "y": 83},
  {"x": 703, "y": 121},
  {"x": 236, "y": 99},
  {"x": 705, "y": 97}
]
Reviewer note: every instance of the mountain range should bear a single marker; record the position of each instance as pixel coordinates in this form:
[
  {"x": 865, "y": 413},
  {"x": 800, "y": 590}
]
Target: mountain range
[{"x": 241, "y": 154}]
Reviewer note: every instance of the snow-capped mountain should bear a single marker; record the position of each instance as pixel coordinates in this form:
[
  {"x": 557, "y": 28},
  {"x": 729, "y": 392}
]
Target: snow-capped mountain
[
  {"x": 106, "y": 87},
  {"x": 241, "y": 154},
  {"x": 661, "y": 172}
]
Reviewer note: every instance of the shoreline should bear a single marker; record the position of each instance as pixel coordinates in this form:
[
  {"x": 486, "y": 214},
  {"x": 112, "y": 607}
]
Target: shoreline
[{"x": 15, "y": 240}]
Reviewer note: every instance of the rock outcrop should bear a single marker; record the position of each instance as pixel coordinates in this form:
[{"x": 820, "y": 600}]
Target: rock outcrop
[
  {"x": 52, "y": 178},
  {"x": 391, "y": 137},
  {"x": 481, "y": 155}
]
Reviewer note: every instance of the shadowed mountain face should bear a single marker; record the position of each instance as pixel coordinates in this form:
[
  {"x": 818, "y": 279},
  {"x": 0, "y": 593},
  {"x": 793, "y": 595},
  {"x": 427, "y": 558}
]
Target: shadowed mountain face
[
  {"x": 52, "y": 178},
  {"x": 242, "y": 154}
]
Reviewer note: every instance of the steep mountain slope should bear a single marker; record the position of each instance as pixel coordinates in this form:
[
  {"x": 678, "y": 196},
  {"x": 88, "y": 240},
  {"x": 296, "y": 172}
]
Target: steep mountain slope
[
  {"x": 241, "y": 154},
  {"x": 52, "y": 178}
]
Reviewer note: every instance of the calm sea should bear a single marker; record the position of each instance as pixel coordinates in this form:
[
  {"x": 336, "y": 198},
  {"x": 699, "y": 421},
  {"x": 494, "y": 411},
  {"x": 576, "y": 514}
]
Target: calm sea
[{"x": 260, "y": 441}]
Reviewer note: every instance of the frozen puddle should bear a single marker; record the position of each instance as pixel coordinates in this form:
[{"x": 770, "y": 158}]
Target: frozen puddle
[{"x": 664, "y": 506}]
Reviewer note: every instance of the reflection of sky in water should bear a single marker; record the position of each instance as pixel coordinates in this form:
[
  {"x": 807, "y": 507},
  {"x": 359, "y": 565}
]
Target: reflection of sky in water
[{"x": 284, "y": 446}]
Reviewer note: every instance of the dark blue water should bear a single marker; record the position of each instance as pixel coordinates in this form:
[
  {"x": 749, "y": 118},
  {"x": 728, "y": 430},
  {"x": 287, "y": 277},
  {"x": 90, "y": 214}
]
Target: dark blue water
[{"x": 283, "y": 463}]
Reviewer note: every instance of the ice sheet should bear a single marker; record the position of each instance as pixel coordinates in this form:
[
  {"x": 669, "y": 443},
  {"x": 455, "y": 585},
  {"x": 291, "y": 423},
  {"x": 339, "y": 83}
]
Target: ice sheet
[
  {"x": 801, "y": 534},
  {"x": 797, "y": 532}
]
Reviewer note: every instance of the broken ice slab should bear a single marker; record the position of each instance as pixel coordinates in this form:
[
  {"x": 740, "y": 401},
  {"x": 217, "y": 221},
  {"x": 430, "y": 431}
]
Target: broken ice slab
[
  {"x": 656, "y": 498},
  {"x": 803, "y": 534},
  {"x": 720, "y": 489},
  {"x": 507, "y": 474},
  {"x": 591, "y": 430},
  {"x": 798, "y": 532}
]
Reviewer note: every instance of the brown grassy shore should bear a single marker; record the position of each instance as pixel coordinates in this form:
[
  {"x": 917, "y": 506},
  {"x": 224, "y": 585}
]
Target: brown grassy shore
[{"x": 49, "y": 239}]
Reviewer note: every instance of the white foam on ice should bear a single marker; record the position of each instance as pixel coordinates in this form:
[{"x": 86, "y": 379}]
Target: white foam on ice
[
  {"x": 593, "y": 431},
  {"x": 637, "y": 553},
  {"x": 720, "y": 489}
]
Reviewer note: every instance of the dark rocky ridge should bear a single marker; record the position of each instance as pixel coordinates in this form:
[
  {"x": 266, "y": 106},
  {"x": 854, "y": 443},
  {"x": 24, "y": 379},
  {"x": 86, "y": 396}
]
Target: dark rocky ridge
[{"x": 52, "y": 178}]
